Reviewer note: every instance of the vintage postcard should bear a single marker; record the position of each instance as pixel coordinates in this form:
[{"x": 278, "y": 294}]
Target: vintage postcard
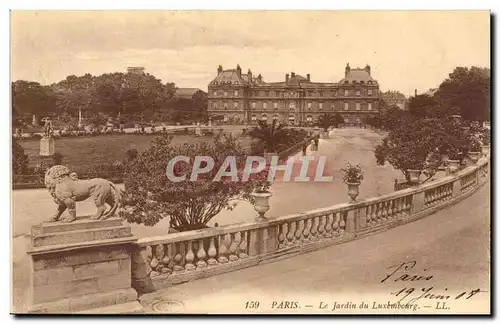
[{"x": 250, "y": 162}]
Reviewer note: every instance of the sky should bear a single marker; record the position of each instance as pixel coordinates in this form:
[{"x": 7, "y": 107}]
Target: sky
[{"x": 406, "y": 50}]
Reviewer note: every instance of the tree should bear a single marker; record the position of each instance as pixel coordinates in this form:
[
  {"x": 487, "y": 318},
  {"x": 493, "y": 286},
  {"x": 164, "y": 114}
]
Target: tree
[
  {"x": 469, "y": 90},
  {"x": 19, "y": 159},
  {"x": 420, "y": 144},
  {"x": 425, "y": 106},
  {"x": 150, "y": 195},
  {"x": 270, "y": 134},
  {"x": 325, "y": 121},
  {"x": 31, "y": 98},
  {"x": 409, "y": 145}
]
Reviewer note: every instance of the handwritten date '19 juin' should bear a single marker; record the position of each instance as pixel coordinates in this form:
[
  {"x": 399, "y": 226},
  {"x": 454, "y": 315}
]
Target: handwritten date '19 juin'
[{"x": 406, "y": 273}]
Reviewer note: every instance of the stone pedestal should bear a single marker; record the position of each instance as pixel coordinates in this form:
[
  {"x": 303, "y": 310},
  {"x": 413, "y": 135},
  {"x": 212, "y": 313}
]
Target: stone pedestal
[
  {"x": 83, "y": 266},
  {"x": 47, "y": 146}
]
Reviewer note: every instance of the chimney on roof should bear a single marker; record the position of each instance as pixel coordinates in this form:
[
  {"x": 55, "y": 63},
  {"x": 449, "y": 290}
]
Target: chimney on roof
[
  {"x": 415, "y": 92},
  {"x": 293, "y": 74},
  {"x": 249, "y": 75},
  {"x": 238, "y": 70},
  {"x": 287, "y": 77},
  {"x": 259, "y": 78},
  {"x": 308, "y": 77},
  {"x": 347, "y": 69},
  {"x": 368, "y": 69},
  {"x": 219, "y": 70}
]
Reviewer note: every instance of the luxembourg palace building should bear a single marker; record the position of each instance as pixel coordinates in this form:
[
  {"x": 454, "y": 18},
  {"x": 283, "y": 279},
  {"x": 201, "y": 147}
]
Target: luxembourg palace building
[{"x": 244, "y": 98}]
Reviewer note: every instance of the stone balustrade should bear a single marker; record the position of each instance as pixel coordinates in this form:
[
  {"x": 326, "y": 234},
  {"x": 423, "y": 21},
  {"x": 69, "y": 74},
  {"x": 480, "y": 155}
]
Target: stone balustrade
[{"x": 159, "y": 262}]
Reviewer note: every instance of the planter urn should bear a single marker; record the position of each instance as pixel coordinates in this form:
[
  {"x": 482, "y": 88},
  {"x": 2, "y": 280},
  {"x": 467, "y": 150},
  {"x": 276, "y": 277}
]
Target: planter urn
[
  {"x": 261, "y": 205},
  {"x": 353, "y": 190},
  {"x": 325, "y": 134},
  {"x": 474, "y": 156},
  {"x": 485, "y": 149},
  {"x": 414, "y": 175},
  {"x": 453, "y": 165}
]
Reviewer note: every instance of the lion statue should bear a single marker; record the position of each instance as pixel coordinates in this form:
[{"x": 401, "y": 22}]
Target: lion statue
[{"x": 67, "y": 189}]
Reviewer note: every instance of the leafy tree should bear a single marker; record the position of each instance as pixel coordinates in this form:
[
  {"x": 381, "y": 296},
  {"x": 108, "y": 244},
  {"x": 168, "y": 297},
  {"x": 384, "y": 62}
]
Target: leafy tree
[
  {"x": 469, "y": 90},
  {"x": 19, "y": 159},
  {"x": 327, "y": 120},
  {"x": 150, "y": 196},
  {"x": 31, "y": 98},
  {"x": 270, "y": 134},
  {"x": 419, "y": 144},
  {"x": 426, "y": 106}
]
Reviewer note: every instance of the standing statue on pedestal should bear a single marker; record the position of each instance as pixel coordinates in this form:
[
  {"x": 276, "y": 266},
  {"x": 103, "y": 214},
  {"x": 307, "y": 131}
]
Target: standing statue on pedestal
[
  {"x": 67, "y": 189},
  {"x": 49, "y": 128}
]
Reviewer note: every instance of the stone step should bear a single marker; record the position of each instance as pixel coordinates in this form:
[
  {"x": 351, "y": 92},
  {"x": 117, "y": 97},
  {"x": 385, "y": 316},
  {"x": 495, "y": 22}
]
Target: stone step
[
  {"x": 79, "y": 224},
  {"x": 83, "y": 235},
  {"x": 128, "y": 308}
]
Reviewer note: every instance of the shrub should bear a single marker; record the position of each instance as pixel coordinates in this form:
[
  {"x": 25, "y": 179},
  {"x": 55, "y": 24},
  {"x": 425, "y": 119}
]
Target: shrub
[
  {"x": 150, "y": 196},
  {"x": 19, "y": 159}
]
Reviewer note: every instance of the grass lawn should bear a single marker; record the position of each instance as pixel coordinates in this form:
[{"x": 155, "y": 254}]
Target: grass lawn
[{"x": 85, "y": 151}]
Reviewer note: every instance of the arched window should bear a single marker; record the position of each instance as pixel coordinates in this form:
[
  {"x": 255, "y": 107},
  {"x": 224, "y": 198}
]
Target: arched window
[
  {"x": 226, "y": 118},
  {"x": 254, "y": 117},
  {"x": 309, "y": 118},
  {"x": 264, "y": 117},
  {"x": 275, "y": 117}
]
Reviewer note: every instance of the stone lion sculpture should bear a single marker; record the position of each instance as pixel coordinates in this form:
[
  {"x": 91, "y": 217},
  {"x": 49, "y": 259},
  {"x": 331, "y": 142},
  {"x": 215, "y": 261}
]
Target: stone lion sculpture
[{"x": 67, "y": 189}]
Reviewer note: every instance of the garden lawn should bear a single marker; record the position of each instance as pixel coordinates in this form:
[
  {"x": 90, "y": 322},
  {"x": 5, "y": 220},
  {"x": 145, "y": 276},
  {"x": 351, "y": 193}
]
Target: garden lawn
[{"x": 80, "y": 152}]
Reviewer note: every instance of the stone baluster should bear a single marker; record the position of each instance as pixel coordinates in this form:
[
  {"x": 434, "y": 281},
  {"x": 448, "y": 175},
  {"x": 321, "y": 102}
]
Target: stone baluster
[
  {"x": 282, "y": 235},
  {"x": 369, "y": 214},
  {"x": 166, "y": 261},
  {"x": 307, "y": 230},
  {"x": 298, "y": 231},
  {"x": 178, "y": 257},
  {"x": 190, "y": 257},
  {"x": 243, "y": 245},
  {"x": 291, "y": 233},
  {"x": 336, "y": 224},
  {"x": 222, "y": 249},
  {"x": 321, "y": 226},
  {"x": 233, "y": 248},
  {"x": 390, "y": 211},
  {"x": 201, "y": 255},
  {"x": 342, "y": 222},
  {"x": 212, "y": 252},
  {"x": 328, "y": 226},
  {"x": 154, "y": 262},
  {"x": 314, "y": 229}
]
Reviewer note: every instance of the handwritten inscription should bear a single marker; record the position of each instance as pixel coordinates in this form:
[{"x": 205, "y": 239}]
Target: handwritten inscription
[
  {"x": 408, "y": 273},
  {"x": 402, "y": 273}
]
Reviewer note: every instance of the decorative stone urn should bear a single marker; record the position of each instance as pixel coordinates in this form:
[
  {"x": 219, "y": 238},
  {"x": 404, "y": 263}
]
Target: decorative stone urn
[
  {"x": 485, "y": 149},
  {"x": 261, "y": 203},
  {"x": 474, "y": 156},
  {"x": 414, "y": 175},
  {"x": 325, "y": 134},
  {"x": 453, "y": 165},
  {"x": 353, "y": 190}
]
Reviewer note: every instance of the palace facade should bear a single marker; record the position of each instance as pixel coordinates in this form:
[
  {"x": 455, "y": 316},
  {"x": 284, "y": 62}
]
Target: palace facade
[{"x": 236, "y": 97}]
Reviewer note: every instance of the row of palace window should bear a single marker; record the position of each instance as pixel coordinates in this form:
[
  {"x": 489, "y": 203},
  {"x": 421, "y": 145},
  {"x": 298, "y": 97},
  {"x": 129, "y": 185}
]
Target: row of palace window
[
  {"x": 236, "y": 93},
  {"x": 291, "y": 118},
  {"x": 291, "y": 105}
]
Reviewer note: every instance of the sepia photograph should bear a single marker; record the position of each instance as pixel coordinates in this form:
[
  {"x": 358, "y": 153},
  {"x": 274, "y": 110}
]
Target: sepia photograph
[{"x": 292, "y": 162}]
